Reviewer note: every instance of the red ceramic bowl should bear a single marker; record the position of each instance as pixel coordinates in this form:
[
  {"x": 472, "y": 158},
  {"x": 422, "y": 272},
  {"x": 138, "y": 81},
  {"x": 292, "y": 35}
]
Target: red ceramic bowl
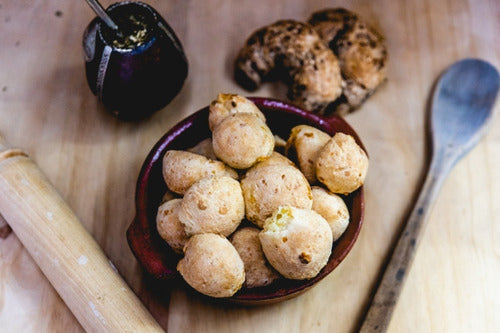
[{"x": 156, "y": 257}]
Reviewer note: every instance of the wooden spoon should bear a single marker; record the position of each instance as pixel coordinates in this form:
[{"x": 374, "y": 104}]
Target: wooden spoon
[{"x": 461, "y": 108}]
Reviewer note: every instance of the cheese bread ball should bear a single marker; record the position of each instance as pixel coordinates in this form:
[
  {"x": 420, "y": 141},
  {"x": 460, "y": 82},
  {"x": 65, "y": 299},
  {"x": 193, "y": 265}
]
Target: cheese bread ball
[
  {"x": 242, "y": 139},
  {"x": 275, "y": 159},
  {"x": 341, "y": 164},
  {"x": 258, "y": 272},
  {"x": 169, "y": 227},
  {"x": 228, "y": 104},
  {"x": 268, "y": 185},
  {"x": 332, "y": 208},
  {"x": 303, "y": 146},
  {"x": 212, "y": 266},
  {"x": 181, "y": 169},
  {"x": 168, "y": 195},
  {"x": 204, "y": 148},
  {"x": 279, "y": 144},
  {"x": 212, "y": 205},
  {"x": 296, "y": 242}
]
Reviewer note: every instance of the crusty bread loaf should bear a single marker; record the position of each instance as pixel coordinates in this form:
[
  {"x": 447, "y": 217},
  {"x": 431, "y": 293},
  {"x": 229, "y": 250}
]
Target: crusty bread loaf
[{"x": 296, "y": 50}]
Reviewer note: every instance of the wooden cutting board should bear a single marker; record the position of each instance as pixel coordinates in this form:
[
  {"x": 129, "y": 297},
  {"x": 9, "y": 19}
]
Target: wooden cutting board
[{"x": 93, "y": 160}]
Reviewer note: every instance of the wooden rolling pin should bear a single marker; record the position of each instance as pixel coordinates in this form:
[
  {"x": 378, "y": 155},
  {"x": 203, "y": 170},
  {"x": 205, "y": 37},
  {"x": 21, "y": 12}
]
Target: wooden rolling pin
[{"x": 66, "y": 253}]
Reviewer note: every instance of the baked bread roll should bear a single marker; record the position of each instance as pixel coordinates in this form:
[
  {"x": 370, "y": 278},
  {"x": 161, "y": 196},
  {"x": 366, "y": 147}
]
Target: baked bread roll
[
  {"x": 181, "y": 169},
  {"x": 258, "y": 272},
  {"x": 242, "y": 139},
  {"x": 228, "y": 104},
  {"x": 212, "y": 205},
  {"x": 212, "y": 266},
  {"x": 294, "y": 50},
  {"x": 169, "y": 227},
  {"x": 341, "y": 164},
  {"x": 333, "y": 209},
  {"x": 204, "y": 148},
  {"x": 271, "y": 184},
  {"x": 303, "y": 146},
  {"x": 361, "y": 52},
  {"x": 296, "y": 242}
]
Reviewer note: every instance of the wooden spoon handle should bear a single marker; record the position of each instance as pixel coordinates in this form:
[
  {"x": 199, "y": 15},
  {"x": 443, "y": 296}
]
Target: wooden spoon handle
[
  {"x": 66, "y": 253},
  {"x": 380, "y": 310}
]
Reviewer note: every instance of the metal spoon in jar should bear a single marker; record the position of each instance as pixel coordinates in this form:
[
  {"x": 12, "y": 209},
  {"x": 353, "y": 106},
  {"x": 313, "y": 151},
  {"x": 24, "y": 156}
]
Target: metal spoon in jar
[
  {"x": 461, "y": 107},
  {"x": 99, "y": 10}
]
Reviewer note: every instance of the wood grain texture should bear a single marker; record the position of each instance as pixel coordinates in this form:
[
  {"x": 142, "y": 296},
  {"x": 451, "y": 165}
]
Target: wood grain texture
[
  {"x": 93, "y": 160},
  {"x": 462, "y": 105},
  {"x": 66, "y": 253}
]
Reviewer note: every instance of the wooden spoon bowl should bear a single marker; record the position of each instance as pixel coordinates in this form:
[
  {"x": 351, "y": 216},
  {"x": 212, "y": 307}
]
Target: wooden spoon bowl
[{"x": 160, "y": 261}]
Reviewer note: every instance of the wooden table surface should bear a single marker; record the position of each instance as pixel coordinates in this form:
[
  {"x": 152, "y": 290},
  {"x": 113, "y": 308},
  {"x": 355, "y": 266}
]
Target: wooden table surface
[{"x": 94, "y": 160}]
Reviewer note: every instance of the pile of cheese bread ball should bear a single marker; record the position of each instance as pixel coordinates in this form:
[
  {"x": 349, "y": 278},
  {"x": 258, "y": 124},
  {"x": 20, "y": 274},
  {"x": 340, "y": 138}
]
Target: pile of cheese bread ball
[{"x": 243, "y": 214}]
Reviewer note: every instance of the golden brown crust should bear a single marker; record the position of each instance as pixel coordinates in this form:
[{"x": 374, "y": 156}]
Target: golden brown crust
[
  {"x": 277, "y": 159},
  {"x": 273, "y": 183},
  {"x": 331, "y": 23},
  {"x": 212, "y": 205},
  {"x": 303, "y": 146},
  {"x": 228, "y": 104},
  {"x": 242, "y": 139},
  {"x": 204, "y": 148},
  {"x": 169, "y": 227},
  {"x": 333, "y": 209},
  {"x": 181, "y": 169},
  {"x": 294, "y": 50},
  {"x": 212, "y": 266},
  {"x": 168, "y": 195},
  {"x": 279, "y": 144},
  {"x": 297, "y": 242},
  {"x": 341, "y": 164},
  {"x": 258, "y": 272},
  {"x": 361, "y": 52}
]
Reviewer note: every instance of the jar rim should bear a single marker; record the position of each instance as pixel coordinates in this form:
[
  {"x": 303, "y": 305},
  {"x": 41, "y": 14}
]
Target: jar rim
[{"x": 151, "y": 19}]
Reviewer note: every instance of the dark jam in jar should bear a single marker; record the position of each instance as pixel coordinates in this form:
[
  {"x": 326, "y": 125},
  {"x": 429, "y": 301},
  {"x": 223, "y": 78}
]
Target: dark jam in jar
[{"x": 138, "y": 69}]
